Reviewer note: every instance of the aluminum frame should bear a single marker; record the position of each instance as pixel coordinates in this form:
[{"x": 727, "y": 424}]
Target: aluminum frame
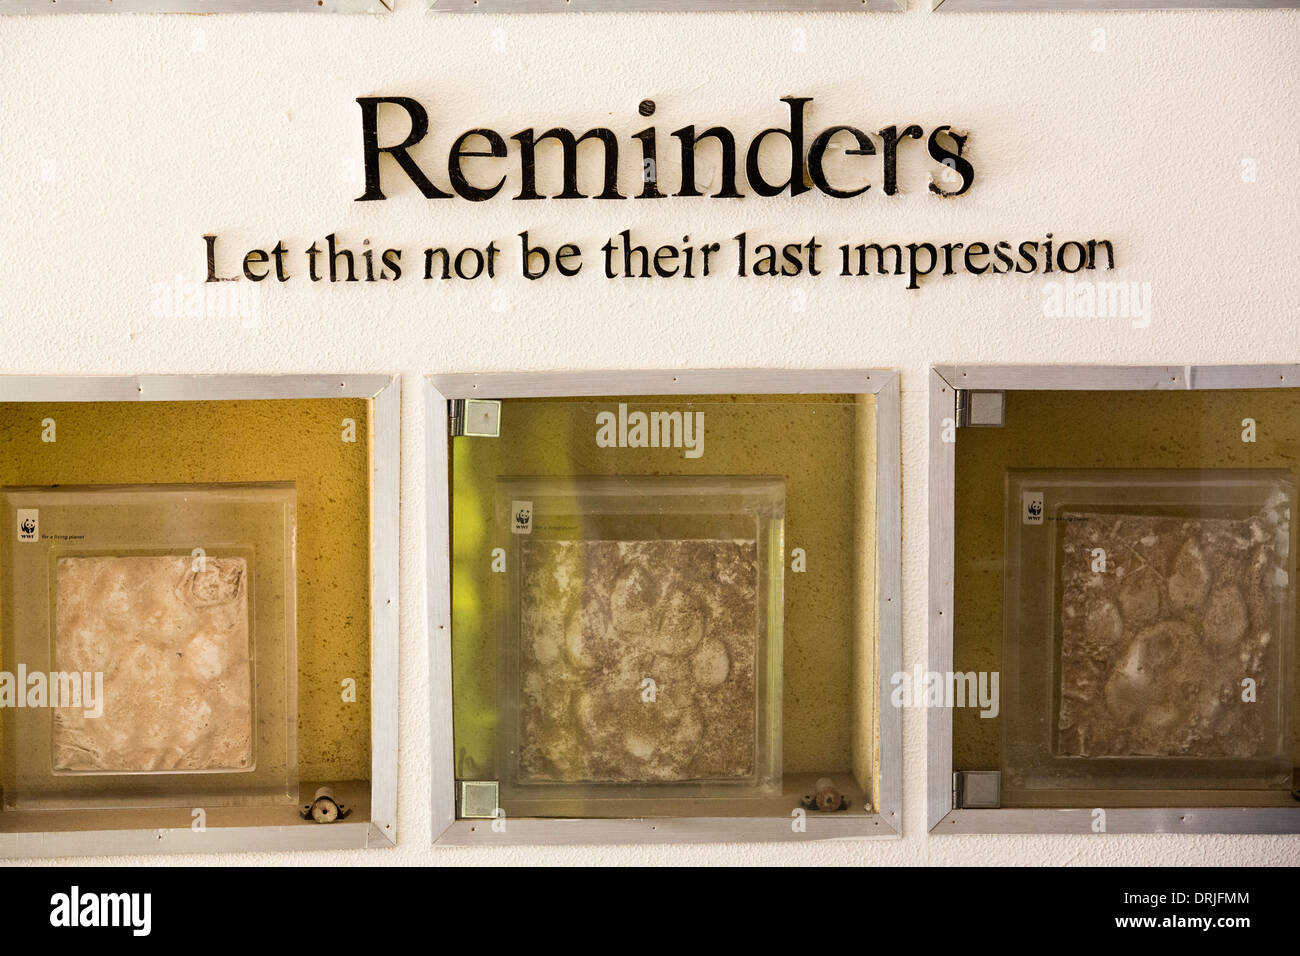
[
  {"x": 1099, "y": 6},
  {"x": 941, "y": 816},
  {"x": 886, "y": 820},
  {"x": 381, "y": 829},
  {"x": 661, "y": 6},
  {"x": 25, "y": 7}
]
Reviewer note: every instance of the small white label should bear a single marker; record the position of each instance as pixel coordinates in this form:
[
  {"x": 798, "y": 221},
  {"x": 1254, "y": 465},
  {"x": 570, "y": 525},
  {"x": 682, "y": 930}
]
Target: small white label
[
  {"x": 29, "y": 524},
  {"x": 521, "y": 517},
  {"x": 1033, "y": 504}
]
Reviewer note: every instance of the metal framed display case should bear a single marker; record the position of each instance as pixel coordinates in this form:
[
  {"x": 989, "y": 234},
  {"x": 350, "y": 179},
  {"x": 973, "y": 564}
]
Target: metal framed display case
[
  {"x": 1117, "y": 545},
  {"x": 656, "y": 6},
  {"x": 664, "y": 606},
  {"x": 988, "y": 6},
  {"x": 194, "y": 6},
  {"x": 218, "y": 555}
]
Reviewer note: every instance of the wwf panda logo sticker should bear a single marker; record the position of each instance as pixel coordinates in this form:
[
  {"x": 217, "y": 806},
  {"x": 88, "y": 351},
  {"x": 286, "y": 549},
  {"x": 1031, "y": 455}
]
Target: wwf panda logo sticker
[
  {"x": 1033, "y": 505},
  {"x": 29, "y": 524},
  {"x": 521, "y": 517}
]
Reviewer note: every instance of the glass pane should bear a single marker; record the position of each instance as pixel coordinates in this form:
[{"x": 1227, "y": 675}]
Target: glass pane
[
  {"x": 275, "y": 494},
  {"x": 634, "y": 631},
  {"x": 1125, "y": 560},
  {"x": 164, "y": 615}
]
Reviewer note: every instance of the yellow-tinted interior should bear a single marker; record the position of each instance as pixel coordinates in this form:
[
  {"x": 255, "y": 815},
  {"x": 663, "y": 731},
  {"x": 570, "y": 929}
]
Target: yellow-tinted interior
[
  {"x": 824, "y": 447},
  {"x": 1088, "y": 429},
  {"x": 246, "y": 441}
]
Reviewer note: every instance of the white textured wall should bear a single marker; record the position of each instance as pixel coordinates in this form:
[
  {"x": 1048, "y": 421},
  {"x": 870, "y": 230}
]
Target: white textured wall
[{"x": 123, "y": 139}]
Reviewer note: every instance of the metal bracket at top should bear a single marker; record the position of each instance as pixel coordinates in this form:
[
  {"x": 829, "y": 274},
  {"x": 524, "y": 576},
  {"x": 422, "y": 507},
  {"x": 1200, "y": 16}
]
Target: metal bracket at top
[
  {"x": 980, "y": 408},
  {"x": 475, "y": 417}
]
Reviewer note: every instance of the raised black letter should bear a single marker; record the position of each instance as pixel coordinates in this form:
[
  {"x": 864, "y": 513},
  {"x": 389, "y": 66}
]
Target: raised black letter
[{"x": 371, "y": 148}]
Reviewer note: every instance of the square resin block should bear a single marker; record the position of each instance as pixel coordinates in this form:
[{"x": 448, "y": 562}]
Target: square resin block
[
  {"x": 170, "y": 635},
  {"x": 638, "y": 660},
  {"x": 1149, "y": 630},
  {"x": 1155, "y": 650},
  {"x": 640, "y": 650},
  {"x": 177, "y": 604}
]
